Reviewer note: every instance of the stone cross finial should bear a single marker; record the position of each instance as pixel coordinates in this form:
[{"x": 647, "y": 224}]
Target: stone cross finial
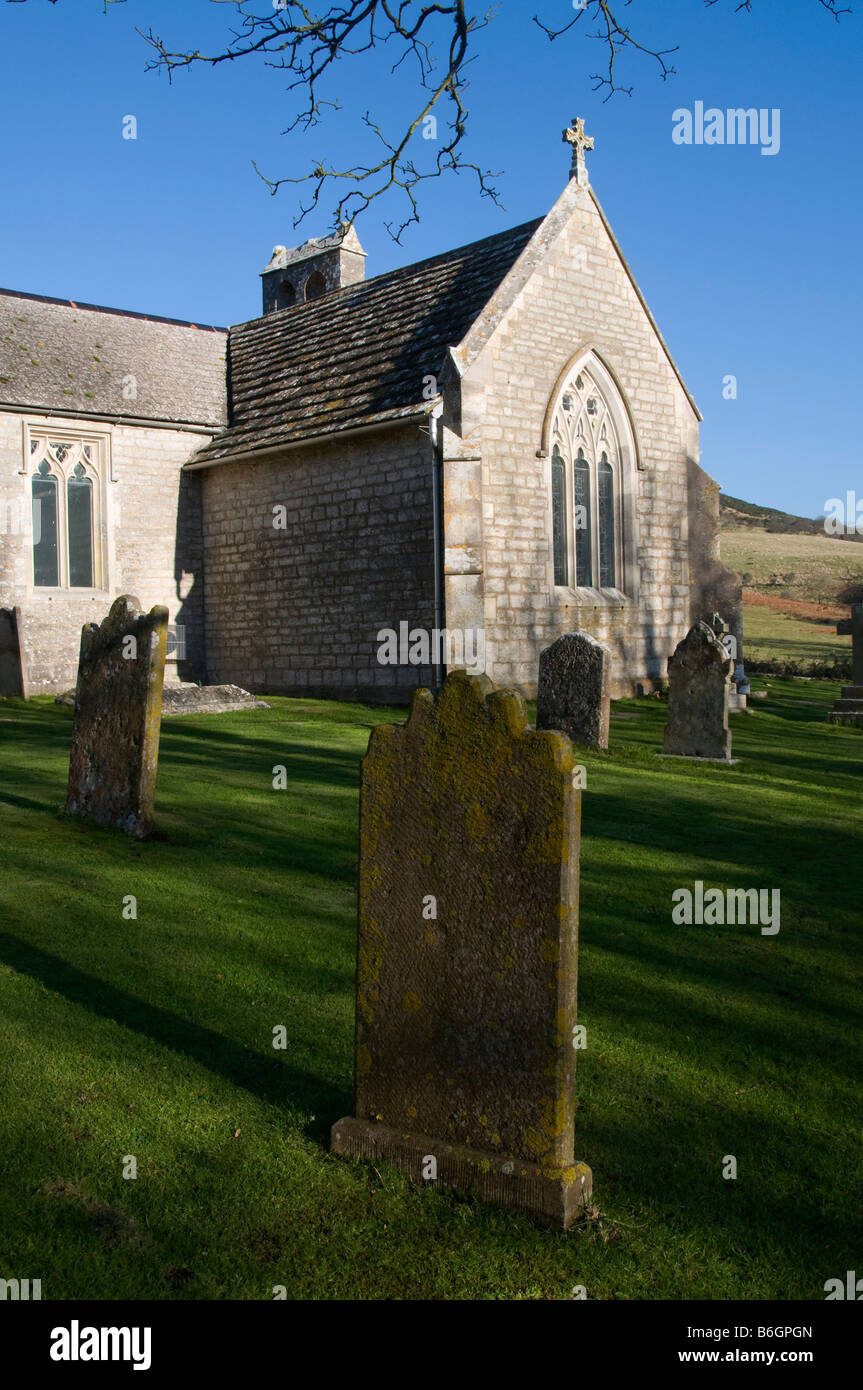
[{"x": 574, "y": 135}]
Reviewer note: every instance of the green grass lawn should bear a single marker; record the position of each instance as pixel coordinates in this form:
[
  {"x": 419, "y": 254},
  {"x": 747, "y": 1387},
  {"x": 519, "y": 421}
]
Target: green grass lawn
[
  {"x": 768, "y": 635},
  {"x": 152, "y": 1037}
]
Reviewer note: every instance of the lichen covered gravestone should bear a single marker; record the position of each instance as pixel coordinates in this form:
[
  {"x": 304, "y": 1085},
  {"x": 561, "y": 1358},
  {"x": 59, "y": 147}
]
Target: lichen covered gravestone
[
  {"x": 698, "y": 682},
  {"x": 118, "y": 701},
  {"x": 467, "y": 953},
  {"x": 574, "y": 692}
]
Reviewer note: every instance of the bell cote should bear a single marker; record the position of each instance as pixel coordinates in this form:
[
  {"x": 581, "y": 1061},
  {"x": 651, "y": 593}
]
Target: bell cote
[{"x": 319, "y": 266}]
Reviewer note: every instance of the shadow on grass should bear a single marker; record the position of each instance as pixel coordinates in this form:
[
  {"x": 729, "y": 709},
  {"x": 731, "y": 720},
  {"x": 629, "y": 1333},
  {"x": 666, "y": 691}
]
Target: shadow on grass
[{"x": 270, "y": 1080}]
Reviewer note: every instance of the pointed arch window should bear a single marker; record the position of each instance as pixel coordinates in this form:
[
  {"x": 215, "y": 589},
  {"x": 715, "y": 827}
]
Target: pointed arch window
[
  {"x": 46, "y": 560},
  {"x": 586, "y": 488},
  {"x": 65, "y": 487},
  {"x": 558, "y": 504},
  {"x": 605, "y": 490},
  {"x": 583, "y": 520},
  {"x": 79, "y": 516}
]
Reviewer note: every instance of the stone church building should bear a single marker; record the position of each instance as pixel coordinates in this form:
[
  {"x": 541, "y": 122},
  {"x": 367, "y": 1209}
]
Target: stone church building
[{"x": 495, "y": 441}]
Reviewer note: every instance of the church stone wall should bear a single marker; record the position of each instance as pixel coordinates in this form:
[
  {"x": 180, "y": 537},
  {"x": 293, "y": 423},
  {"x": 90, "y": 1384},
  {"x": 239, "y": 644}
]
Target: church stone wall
[
  {"x": 295, "y": 610},
  {"x": 579, "y": 294},
  {"x": 152, "y": 546}
]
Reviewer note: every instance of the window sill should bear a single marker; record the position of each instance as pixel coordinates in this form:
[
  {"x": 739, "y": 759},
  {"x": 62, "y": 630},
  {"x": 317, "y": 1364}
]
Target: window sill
[
  {"x": 599, "y": 598},
  {"x": 48, "y": 591}
]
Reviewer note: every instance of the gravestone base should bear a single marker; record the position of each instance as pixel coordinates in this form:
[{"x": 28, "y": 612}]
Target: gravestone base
[
  {"x": 552, "y": 1196},
  {"x": 736, "y": 702},
  {"x": 691, "y": 758}
]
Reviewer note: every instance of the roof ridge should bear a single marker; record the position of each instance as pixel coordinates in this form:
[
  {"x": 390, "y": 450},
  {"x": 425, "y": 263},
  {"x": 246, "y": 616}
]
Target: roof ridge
[
  {"x": 105, "y": 309},
  {"x": 360, "y": 285}
]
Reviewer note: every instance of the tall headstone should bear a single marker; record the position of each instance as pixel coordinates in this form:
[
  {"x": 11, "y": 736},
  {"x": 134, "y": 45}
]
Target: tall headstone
[
  {"x": 574, "y": 689},
  {"x": 467, "y": 955},
  {"x": 848, "y": 709},
  {"x": 698, "y": 682},
  {"x": 13, "y": 679},
  {"x": 118, "y": 704}
]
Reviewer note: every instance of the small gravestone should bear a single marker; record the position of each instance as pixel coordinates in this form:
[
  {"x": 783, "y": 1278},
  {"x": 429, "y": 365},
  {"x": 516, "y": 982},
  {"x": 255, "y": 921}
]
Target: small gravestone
[
  {"x": 698, "y": 683},
  {"x": 848, "y": 709},
  {"x": 466, "y": 966},
  {"x": 574, "y": 693},
  {"x": 183, "y": 697},
  {"x": 12, "y": 675},
  {"x": 118, "y": 702}
]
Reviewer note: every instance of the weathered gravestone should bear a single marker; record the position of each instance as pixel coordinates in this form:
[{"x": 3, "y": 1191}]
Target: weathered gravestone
[
  {"x": 118, "y": 701},
  {"x": 466, "y": 967},
  {"x": 849, "y": 708},
  {"x": 574, "y": 690},
  {"x": 13, "y": 679},
  {"x": 698, "y": 681}
]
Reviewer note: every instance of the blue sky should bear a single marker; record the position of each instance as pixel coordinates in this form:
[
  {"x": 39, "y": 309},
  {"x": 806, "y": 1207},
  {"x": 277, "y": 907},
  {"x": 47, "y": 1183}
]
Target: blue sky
[{"x": 751, "y": 263}]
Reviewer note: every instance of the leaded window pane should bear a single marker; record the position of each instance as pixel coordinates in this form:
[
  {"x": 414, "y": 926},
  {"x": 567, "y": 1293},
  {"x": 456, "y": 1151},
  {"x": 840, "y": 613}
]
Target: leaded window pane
[
  {"x": 583, "y": 558},
  {"x": 558, "y": 504},
  {"x": 46, "y": 559},
  {"x": 79, "y": 497},
  {"x": 606, "y": 524}
]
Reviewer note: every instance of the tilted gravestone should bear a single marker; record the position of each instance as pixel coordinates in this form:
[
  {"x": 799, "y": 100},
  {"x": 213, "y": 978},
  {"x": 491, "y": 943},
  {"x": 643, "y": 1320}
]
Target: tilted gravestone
[
  {"x": 467, "y": 954},
  {"x": 574, "y": 689},
  {"x": 849, "y": 708},
  {"x": 698, "y": 681},
  {"x": 118, "y": 703}
]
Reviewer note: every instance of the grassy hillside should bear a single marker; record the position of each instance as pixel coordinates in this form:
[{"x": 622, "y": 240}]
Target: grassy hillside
[
  {"x": 735, "y": 513},
  {"x": 797, "y": 566}
]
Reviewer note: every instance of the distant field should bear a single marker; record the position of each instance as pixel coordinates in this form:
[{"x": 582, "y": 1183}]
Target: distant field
[
  {"x": 772, "y": 636},
  {"x": 810, "y": 567}
]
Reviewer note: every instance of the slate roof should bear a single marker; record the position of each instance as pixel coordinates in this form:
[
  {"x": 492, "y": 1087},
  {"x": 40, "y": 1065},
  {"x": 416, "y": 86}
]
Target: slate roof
[
  {"x": 358, "y": 355},
  {"x": 58, "y": 356}
]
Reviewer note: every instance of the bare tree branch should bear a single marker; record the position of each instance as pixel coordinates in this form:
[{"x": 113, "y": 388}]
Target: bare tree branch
[
  {"x": 828, "y": 5},
  {"x": 307, "y": 43},
  {"x": 616, "y": 37},
  {"x": 307, "y": 46},
  {"x": 105, "y": 3}
]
